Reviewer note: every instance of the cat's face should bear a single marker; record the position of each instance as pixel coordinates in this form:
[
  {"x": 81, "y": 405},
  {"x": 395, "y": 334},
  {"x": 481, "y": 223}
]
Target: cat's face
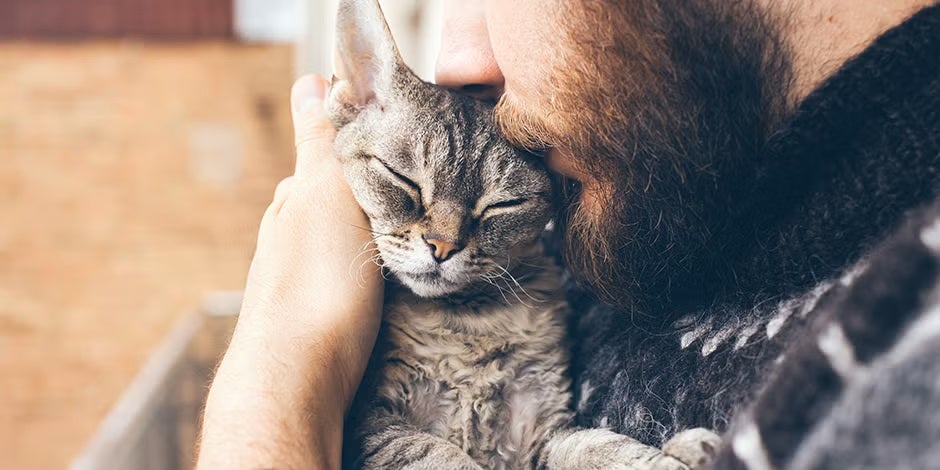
[{"x": 451, "y": 203}]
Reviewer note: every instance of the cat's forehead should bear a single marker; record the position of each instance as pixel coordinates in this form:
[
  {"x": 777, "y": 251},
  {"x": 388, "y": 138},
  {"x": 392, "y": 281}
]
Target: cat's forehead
[
  {"x": 468, "y": 151},
  {"x": 442, "y": 131},
  {"x": 447, "y": 140}
]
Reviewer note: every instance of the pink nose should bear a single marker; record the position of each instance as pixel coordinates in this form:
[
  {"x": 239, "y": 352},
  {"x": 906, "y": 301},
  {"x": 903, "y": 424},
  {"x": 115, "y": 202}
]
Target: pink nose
[{"x": 441, "y": 250}]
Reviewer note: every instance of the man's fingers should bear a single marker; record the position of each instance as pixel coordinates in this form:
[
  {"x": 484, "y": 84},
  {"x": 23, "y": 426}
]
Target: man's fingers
[{"x": 313, "y": 132}]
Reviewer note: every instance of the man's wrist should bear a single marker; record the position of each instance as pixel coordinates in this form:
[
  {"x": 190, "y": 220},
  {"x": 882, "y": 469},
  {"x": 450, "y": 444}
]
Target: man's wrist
[
  {"x": 327, "y": 349},
  {"x": 279, "y": 388},
  {"x": 297, "y": 367}
]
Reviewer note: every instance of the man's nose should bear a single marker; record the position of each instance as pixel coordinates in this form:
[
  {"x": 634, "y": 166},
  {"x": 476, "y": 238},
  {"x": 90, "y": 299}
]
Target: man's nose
[
  {"x": 441, "y": 249},
  {"x": 466, "y": 60}
]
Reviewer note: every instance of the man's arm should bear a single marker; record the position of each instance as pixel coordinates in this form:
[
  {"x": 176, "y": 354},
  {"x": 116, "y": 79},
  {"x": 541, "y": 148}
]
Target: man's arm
[
  {"x": 268, "y": 407},
  {"x": 308, "y": 321}
]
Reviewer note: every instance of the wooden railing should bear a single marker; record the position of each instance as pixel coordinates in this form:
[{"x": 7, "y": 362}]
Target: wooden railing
[{"x": 155, "y": 423}]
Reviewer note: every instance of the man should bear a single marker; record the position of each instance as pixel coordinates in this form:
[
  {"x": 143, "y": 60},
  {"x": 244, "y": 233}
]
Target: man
[{"x": 740, "y": 218}]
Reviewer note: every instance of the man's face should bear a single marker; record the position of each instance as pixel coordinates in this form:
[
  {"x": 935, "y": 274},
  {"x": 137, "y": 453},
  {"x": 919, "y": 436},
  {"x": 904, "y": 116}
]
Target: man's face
[
  {"x": 649, "y": 110},
  {"x": 495, "y": 49}
]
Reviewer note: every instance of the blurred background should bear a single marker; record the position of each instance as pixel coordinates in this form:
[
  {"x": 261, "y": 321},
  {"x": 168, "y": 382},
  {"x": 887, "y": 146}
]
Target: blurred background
[{"x": 140, "y": 142}]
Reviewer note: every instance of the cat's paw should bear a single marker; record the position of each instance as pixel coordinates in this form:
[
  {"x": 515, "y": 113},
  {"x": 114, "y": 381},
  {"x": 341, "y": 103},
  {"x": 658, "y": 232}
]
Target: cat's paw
[
  {"x": 444, "y": 457},
  {"x": 695, "y": 448}
]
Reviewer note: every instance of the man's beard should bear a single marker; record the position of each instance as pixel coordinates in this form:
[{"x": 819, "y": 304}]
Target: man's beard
[{"x": 666, "y": 107}]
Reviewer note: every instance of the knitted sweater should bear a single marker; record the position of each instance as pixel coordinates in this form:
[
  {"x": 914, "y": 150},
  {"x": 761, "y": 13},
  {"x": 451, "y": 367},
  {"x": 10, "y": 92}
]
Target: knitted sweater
[{"x": 834, "y": 241}]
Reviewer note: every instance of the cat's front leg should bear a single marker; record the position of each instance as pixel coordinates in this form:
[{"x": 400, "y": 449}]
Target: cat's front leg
[
  {"x": 597, "y": 449},
  {"x": 397, "y": 445},
  {"x": 696, "y": 447}
]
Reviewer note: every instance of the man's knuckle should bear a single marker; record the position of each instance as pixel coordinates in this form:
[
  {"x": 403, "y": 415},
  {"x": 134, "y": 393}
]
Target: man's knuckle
[{"x": 284, "y": 186}]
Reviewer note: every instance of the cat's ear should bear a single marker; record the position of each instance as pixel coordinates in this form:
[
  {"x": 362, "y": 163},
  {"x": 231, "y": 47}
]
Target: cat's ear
[{"x": 366, "y": 59}]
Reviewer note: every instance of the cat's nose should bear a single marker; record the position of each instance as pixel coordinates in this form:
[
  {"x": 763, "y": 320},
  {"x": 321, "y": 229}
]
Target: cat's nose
[{"x": 441, "y": 250}]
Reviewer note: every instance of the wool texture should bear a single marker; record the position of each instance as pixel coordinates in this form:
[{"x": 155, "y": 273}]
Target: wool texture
[{"x": 831, "y": 242}]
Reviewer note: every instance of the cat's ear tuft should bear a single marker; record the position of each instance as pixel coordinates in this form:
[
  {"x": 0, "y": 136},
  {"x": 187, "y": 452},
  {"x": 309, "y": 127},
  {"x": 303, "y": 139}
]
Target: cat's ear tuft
[{"x": 366, "y": 59}]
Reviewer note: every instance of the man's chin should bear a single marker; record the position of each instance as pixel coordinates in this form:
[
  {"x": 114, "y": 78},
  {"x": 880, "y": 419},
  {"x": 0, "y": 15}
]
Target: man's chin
[{"x": 586, "y": 236}]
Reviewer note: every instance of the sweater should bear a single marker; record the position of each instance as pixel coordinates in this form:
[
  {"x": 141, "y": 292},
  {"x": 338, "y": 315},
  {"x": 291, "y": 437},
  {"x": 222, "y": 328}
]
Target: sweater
[{"x": 848, "y": 180}]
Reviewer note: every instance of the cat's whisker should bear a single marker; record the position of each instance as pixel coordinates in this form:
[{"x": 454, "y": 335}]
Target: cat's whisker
[
  {"x": 530, "y": 265},
  {"x": 494, "y": 280},
  {"x": 359, "y": 272},
  {"x": 363, "y": 251},
  {"x": 489, "y": 281},
  {"x": 373, "y": 232},
  {"x": 382, "y": 260},
  {"x": 366, "y": 247},
  {"x": 516, "y": 282},
  {"x": 374, "y": 257},
  {"x": 378, "y": 261},
  {"x": 512, "y": 290},
  {"x": 497, "y": 276}
]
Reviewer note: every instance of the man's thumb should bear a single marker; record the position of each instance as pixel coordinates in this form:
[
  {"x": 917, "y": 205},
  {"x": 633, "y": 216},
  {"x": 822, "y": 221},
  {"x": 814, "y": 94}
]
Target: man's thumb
[{"x": 313, "y": 132}]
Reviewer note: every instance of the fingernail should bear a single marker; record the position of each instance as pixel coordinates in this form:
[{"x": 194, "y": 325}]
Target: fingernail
[{"x": 307, "y": 94}]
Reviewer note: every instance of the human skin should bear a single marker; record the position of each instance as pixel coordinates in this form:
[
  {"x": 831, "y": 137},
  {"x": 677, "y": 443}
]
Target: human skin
[
  {"x": 309, "y": 318},
  {"x": 495, "y": 48}
]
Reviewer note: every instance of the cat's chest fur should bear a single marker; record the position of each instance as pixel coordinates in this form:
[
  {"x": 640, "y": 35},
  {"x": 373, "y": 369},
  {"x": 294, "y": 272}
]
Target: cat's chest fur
[{"x": 490, "y": 377}]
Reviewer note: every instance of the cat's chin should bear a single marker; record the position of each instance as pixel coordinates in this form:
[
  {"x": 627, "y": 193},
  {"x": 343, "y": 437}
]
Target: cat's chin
[{"x": 429, "y": 286}]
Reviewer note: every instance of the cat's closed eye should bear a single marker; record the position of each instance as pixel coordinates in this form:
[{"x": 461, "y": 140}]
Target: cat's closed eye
[
  {"x": 498, "y": 207},
  {"x": 404, "y": 180}
]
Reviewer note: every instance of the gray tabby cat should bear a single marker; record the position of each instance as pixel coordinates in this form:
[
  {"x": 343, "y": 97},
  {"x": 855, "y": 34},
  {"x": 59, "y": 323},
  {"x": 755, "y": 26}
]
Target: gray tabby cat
[{"x": 471, "y": 370}]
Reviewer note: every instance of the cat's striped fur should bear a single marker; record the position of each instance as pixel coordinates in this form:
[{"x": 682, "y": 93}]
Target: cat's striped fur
[{"x": 481, "y": 383}]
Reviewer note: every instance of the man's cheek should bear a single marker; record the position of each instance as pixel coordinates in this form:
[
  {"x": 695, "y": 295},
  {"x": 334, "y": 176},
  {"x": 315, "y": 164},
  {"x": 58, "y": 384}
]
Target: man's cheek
[{"x": 521, "y": 41}]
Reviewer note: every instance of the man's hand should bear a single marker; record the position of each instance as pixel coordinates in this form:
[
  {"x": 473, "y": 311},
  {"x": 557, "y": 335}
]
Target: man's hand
[{"x": 309, "y": 320}]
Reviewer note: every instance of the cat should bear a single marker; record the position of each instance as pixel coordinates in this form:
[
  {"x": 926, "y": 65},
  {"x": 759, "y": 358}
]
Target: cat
[{"x": 471, "y": 367}]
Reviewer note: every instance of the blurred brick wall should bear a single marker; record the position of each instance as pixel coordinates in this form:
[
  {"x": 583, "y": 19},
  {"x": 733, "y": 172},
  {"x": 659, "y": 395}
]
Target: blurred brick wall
[{"x": 76, "y": 19}]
